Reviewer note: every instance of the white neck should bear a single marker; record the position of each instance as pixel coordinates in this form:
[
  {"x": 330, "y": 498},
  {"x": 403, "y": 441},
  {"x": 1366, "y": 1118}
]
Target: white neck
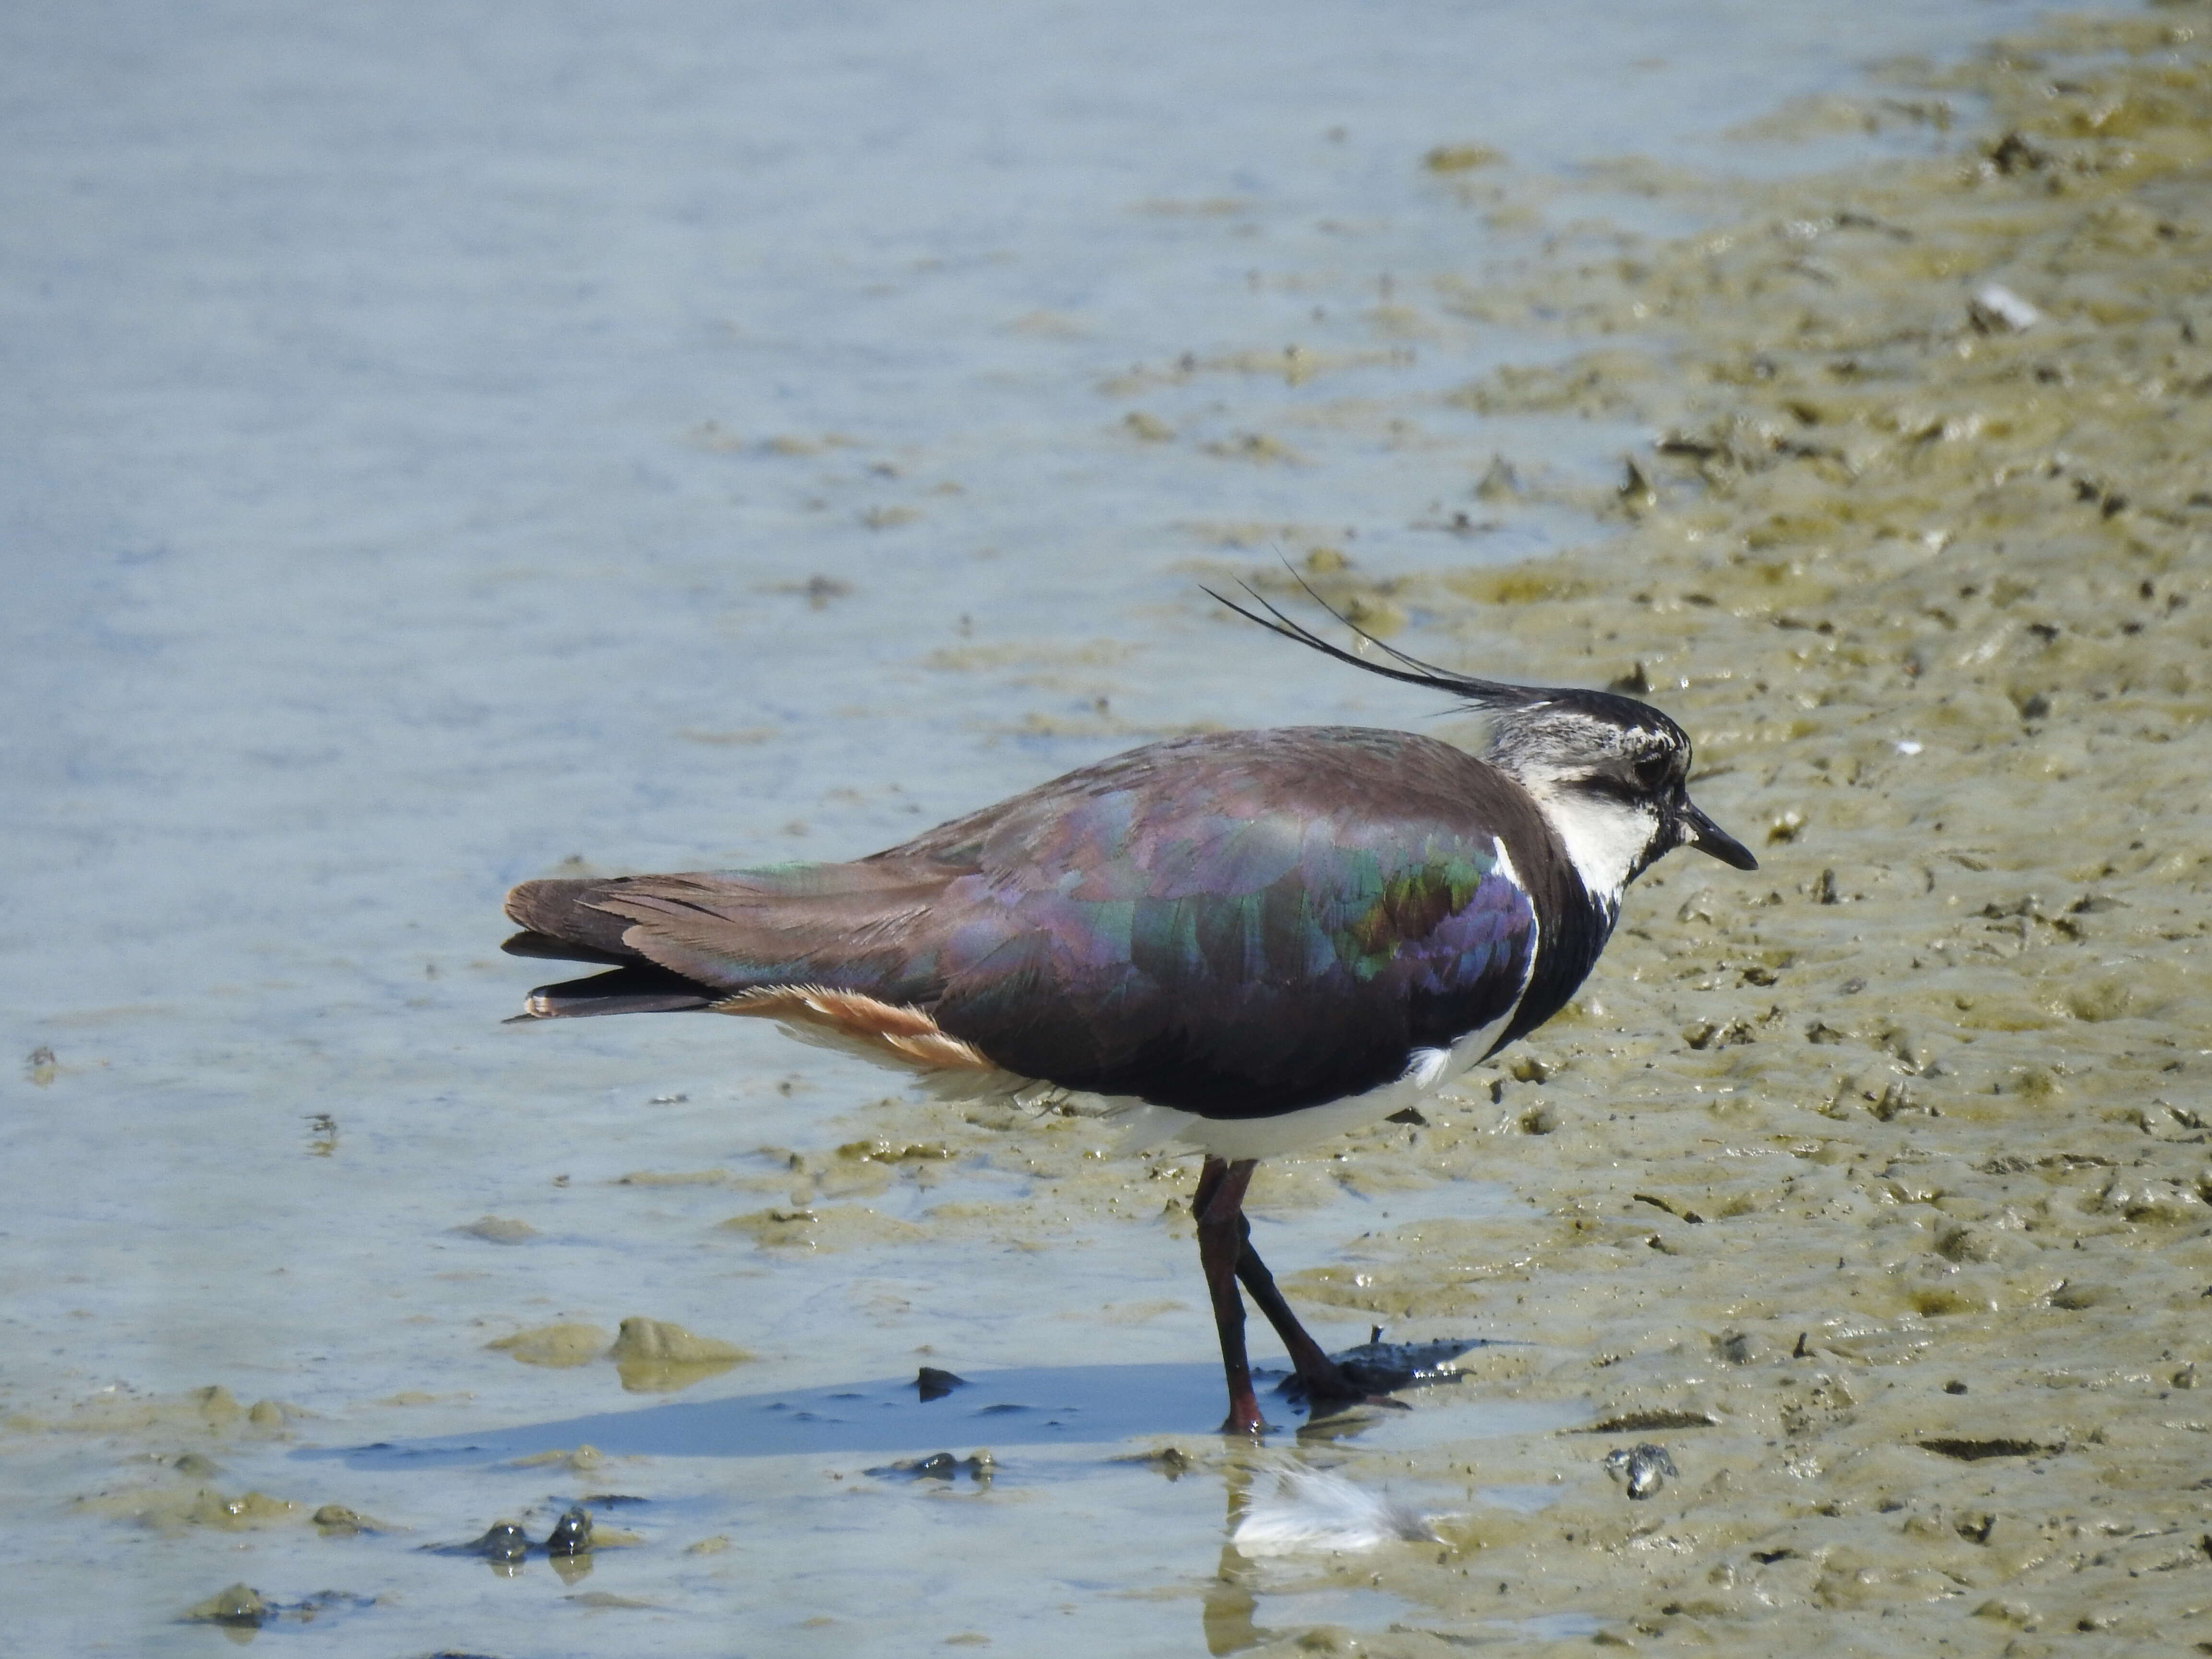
[{"x": 1605, "y": 840}]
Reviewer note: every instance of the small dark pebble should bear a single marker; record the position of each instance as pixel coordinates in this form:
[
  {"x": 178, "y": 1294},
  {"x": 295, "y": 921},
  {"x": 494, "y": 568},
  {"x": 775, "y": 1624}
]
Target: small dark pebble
[
  {"x": 571, "y": 1533},
  {"x": 939, "y": 1465},
  {"x": 504, "y": 1542},
  {"x": 242, "y": 1609},
  {"x": 931, "y": 1383},
  {"x": 1955, "y": 1386},
  {"x": 241, "y": 1606},
  {"x": 1172, "y": 1462},
  {"x": 1643, "y": 1469},
  {"x": 336, "y": 1520}
]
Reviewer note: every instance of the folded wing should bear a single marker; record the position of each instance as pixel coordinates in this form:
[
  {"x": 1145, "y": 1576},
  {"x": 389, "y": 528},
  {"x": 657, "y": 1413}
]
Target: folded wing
[{"x": 1235, "y": 928}]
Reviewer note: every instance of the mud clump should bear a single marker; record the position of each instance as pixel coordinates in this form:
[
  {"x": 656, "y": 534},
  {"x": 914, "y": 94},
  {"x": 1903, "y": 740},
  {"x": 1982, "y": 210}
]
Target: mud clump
[
  {"x": 213, "y": 1410},
  {"x": 174, "y": 1510},
  {"x": 498, "y": 1229},
  {"x": 336, "y": 1520},
  {"x": 942, "y": 1467},
  {"x": 504, "y": 1542},
  {"x": 651, "y": 1356},
  {"x": 240, "y": 1606},
  {"x": 571, "y": 1533},
  {"x": 239, "y": 1610},
  {"x": 654, "y": 1357},
  {"x": 557, "y": 1345}
]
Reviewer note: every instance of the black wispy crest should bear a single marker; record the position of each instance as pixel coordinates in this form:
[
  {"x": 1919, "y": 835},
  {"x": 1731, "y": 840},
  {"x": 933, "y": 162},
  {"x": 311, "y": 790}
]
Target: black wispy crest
[{"x": 1479, "y": 693}]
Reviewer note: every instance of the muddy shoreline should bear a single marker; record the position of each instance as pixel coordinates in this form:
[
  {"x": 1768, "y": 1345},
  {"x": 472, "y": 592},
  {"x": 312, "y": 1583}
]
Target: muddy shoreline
[
  {"x": 1885, "y": 1168},
  {"x": 1875, "y": 1189}
]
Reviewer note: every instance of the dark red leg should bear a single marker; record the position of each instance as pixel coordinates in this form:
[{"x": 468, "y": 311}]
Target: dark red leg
[
  {"x": 1325, "y": 1381},
  {"x": 1218, "y": 1205}
]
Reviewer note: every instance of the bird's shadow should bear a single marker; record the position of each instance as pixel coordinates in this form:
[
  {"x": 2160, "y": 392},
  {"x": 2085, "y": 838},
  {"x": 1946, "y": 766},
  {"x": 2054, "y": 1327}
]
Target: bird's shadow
[{"x": 1026, "y": 1406}]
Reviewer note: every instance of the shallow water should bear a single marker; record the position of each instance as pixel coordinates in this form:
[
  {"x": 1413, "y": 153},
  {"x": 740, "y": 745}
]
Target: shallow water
[{"x": 445, "y": 445}]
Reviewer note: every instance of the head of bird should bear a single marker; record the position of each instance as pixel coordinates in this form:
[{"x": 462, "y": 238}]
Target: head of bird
[{"x": 1610, "y": 774}]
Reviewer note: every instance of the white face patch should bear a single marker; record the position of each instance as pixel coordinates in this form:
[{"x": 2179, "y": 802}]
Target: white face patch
[
  {"x": 1558, "y": 753},
  {"x": 1604, "y": 838}
]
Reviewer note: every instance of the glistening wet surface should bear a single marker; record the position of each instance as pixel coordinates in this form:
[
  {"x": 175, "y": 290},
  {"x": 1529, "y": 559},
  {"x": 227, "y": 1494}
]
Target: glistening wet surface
[{"x": 454, "y": 449}]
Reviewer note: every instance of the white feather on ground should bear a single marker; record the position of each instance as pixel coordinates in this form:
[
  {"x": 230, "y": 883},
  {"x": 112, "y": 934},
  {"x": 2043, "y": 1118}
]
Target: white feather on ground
[{"x": 1309, "y": 1510}]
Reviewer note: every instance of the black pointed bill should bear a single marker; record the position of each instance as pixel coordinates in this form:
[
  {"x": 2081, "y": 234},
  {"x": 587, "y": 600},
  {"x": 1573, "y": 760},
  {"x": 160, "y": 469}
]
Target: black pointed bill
[{"x": 1697, "y": 830}]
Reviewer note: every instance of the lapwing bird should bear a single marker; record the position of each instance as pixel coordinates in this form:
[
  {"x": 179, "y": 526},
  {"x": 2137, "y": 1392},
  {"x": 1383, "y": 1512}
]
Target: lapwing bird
[{"x": 1244, "y": 942}]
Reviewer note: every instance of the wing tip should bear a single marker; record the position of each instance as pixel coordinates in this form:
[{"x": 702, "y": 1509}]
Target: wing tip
[{"x": 635, "y": 988}]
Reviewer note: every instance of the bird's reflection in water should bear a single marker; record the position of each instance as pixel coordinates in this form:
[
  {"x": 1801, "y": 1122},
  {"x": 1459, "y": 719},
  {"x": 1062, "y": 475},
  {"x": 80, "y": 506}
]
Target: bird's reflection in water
[
  {"x": 1277, "y": 1508},
  {"x": 1231, "y": 1599},
  {"x": 569, "y": 1568}
]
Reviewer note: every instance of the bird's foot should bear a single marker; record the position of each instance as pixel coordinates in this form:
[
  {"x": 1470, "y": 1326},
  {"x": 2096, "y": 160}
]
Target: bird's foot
[
  {"x": 1372, "y": 1373},
  {"x": 1244, "y": 1420},
  {"x": 1329, "y": 1387}
]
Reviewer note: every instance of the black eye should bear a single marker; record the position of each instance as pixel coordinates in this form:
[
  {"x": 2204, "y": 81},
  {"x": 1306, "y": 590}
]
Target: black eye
[{"x": 1651, "y": 771}]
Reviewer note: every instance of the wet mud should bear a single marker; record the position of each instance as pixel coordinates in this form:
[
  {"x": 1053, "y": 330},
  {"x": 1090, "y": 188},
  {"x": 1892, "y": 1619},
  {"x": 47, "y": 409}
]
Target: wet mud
[{"x": 1876, "y": 1180}]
